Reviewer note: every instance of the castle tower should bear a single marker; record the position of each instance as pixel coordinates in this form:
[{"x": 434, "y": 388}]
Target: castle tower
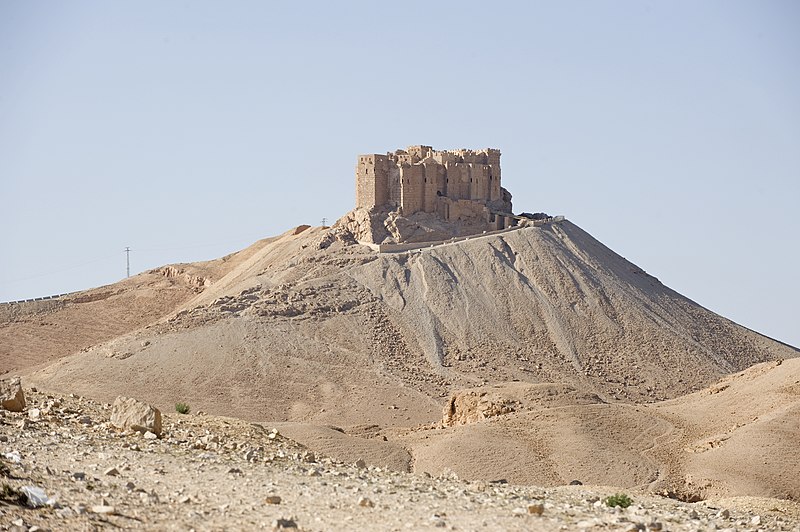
[{"x": 372, "y": 180}]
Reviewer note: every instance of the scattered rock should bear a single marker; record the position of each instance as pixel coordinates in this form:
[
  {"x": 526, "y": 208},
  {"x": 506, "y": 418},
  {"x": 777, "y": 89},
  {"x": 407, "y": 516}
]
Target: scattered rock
[
  {"x": 536, "y": 508},
  {"x": 756, "y": 520},
  {"x": 79, "y": 475},
  {"x": 576, "y": 483},
  {"x": 111, "y": 471},
  {"x": 11, "y": 395},
  {"x": 35, "y": 495},
  {"x": 34, "y": 413},
  {"x": 361, "y": 464},
  {"x": 366, "y": 503},
  {"x": 438, "y": 522},
  {"x": 283, "y": 523},
  {"x": 130, "y": 414},
  {"x": 103, "y": 509},
  {"x": 150, "y": 435},
  {"x": 272, "y": 499},
  {"x": 13, "y": 457}
]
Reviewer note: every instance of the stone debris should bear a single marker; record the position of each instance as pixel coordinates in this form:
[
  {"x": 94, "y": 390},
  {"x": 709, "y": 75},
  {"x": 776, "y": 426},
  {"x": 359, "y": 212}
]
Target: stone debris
[
  {"x": 11, "y": 395},
  {"x": 536, "y": 509},
  {"x": 282, "y": 523},
  {"x": 13, "y": 457},
  {"x": 130, "y": 414},
  {"x": 36, "y": 496},
  {"x": 364, "y": 502},
  {"x": 69, "y": 474}
]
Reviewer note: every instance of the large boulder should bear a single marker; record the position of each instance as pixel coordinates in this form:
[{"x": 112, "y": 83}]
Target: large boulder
[
  {"x": 130, "y": 414},
  {"x": 11, "y": 395}
]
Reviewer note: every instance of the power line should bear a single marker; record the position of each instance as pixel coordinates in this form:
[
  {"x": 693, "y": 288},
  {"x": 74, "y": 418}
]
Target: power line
[{"x": 128, "y": 261}]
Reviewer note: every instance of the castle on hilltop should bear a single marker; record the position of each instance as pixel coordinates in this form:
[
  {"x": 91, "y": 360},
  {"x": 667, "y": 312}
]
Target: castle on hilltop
[{"x": 455, "y": 184}]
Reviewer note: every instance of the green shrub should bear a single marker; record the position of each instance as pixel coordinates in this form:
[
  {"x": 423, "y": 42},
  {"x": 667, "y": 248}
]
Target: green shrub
[
  {"x": 182, "y": 408},
  {"x": 618, "y": 499}
]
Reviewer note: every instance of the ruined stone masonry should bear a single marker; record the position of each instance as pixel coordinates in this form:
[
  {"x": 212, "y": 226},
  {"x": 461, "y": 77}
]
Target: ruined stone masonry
[{"x": 454, "y": 184}]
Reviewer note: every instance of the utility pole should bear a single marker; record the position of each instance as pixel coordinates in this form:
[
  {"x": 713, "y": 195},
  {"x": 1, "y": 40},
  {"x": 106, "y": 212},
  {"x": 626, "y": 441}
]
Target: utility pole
[
  {"x": 128, "y": 260},
  {"x": 324, "y": 222}
]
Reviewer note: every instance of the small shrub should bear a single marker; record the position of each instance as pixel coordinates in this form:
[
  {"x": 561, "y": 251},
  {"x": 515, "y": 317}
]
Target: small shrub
[
  {"x": 618, "y": 499},
  {"x": 182, "y": 408}
]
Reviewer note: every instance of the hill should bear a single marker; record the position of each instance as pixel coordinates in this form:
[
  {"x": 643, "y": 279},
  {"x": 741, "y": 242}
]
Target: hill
[{"x": 312, "y": 330}]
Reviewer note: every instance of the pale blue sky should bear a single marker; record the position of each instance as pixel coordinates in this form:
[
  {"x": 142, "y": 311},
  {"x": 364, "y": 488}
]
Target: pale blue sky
[{"x": 187, "y": 130}]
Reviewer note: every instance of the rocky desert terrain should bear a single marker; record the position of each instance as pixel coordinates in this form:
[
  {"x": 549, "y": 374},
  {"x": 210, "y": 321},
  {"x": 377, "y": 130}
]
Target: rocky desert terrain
[
  {"x": 463, "y": 385},
  {"x": 216, "y": 473}
]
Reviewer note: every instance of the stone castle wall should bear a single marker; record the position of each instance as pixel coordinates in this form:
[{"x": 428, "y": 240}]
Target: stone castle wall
[{"x": 452, "y": 184}]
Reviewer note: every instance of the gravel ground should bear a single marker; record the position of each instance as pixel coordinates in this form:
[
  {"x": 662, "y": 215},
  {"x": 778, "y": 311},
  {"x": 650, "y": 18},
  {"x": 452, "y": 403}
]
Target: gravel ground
[{"x": 214, "y": 473}]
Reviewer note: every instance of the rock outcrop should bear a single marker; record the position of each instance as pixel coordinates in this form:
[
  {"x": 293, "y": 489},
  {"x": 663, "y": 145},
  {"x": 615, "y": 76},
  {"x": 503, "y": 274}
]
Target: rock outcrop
[
  {"x": 130, "y": 414},
  {"x": 11, "y": 395}
]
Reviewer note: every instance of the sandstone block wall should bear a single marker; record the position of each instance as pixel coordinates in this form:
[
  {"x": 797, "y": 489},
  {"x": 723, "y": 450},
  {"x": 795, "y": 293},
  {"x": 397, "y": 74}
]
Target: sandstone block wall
[{"x": 421, "y": 179}]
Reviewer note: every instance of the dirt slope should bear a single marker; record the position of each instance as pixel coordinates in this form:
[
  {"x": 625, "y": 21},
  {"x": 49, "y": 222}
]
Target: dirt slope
[
  {"x": 39, "y": 332},
  {"x": 738, "y": 437},
  {"x": 312, "y": 328},
  {"x": 293, "y": 321}
]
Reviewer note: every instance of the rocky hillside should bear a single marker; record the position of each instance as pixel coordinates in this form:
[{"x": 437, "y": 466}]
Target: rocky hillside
[
  {"x": 343, "y": 347},
  {"x": 544, "y": 304}
]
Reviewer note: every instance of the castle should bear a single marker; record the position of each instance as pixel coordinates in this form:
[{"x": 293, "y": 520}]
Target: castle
[{"x": 455, "y": 184}]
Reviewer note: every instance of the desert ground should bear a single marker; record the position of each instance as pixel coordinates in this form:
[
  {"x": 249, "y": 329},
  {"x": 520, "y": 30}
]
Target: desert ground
[{"x": 470, "y": 381}]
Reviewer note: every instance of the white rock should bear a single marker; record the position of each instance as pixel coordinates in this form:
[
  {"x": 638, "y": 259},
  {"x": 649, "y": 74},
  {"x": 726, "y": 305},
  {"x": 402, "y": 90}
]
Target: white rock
[
  {"x": 150, "y": 436},
  {"x": 103, "y": 509},
  {"x": 130, "y": 414},
  {"x": 13, "y": 456},
  {"x": 36, "y": 496}
]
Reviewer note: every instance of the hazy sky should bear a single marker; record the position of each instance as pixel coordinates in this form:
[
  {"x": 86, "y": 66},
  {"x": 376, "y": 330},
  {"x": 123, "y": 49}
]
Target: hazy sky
[{"x": 186, "y": 130}]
